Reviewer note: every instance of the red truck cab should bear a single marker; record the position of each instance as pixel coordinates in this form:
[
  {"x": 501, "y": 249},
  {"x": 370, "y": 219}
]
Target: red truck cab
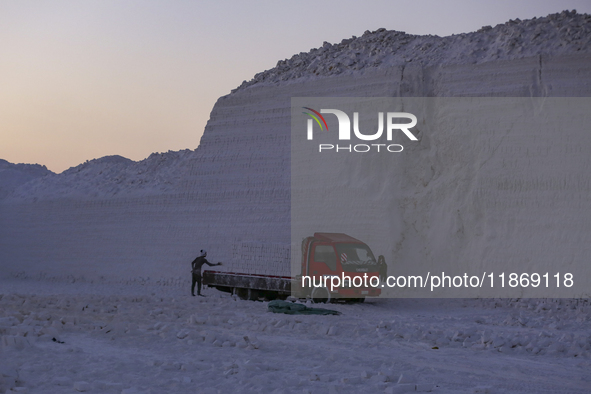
[{"x": 326, "y": 255}]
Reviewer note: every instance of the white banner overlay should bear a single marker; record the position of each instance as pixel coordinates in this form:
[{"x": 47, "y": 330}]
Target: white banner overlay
[{"x": 463, "y": 197}]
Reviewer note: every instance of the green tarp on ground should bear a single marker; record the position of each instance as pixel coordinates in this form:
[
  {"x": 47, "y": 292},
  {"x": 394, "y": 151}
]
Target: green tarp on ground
[{"x": 291, "y": 308}]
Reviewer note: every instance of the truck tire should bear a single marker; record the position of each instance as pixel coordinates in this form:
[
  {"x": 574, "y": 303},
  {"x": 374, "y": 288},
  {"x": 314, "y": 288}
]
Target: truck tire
[
  {"x": 241, "y": 293},
  {"x": 247, "y": 294},
  {"x": 224, "y": 289},
  {"x": 354, "y": 300},
  {"x": 320, "y": 295},
  {"x": 253, "y": 295}
]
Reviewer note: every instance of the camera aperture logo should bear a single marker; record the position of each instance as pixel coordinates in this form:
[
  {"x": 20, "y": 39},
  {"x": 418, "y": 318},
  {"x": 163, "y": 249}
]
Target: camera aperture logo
[{"x": 344, "y": 132}]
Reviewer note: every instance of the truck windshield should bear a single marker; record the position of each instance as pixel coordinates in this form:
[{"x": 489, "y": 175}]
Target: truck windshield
[{"x": 349, "y": 253}]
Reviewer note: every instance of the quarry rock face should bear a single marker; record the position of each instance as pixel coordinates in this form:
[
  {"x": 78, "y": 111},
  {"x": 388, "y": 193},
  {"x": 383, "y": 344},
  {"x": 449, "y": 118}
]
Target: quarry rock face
[{"x": 123, "y": 221}]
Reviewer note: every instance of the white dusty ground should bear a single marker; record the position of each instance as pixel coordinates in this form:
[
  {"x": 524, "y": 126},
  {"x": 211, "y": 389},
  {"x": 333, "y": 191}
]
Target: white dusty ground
[{"x": 157, "y": 339}]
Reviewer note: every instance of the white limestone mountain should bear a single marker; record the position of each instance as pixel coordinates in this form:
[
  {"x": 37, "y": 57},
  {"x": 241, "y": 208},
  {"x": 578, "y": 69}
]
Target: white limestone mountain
[{"x": 119, "y": 220}]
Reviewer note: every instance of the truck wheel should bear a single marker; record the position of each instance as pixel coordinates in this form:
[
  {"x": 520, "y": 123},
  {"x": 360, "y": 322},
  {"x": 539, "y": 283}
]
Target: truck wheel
[
  {"x": 241, "y": 293},
  {"x": 320, "y": 295},
  {"x": 247, "y": 294},
  {"x": 253, "y": 295},
  {"x": 355, "y": 300}
]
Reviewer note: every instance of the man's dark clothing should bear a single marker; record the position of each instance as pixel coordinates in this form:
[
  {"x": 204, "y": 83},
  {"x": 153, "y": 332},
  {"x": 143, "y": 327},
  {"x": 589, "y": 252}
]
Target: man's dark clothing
[{"x": 196, "y": 269}]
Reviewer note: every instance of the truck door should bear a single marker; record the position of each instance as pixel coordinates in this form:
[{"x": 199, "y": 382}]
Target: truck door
[{"x": 323, "y": 260}]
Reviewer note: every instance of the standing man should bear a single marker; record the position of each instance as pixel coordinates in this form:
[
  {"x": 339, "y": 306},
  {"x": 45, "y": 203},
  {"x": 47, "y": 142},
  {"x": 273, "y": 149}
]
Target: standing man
[{"x": 196, "y": 270}]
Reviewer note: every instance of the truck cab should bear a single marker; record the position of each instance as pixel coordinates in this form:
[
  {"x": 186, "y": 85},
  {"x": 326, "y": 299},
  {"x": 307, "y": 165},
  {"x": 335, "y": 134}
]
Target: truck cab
[{"x": 325, "y": 255}]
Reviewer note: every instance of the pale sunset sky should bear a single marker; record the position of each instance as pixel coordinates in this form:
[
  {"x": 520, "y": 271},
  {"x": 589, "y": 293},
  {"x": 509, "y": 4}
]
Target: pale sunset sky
[{"x": 84, "y": 79}]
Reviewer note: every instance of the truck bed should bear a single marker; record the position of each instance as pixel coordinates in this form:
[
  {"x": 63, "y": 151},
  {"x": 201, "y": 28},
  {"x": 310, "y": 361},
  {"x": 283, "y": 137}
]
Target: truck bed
[{"x": 236, "y": 280}]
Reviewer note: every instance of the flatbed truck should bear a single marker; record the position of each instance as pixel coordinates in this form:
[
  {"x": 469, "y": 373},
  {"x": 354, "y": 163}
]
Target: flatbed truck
[{"x": 324, "y": 255}]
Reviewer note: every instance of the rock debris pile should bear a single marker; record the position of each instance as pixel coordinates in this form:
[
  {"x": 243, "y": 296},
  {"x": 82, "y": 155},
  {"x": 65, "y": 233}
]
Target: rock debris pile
[
  {"x": 109, "y": 176},
  {"x": 555, "y": 34}
]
